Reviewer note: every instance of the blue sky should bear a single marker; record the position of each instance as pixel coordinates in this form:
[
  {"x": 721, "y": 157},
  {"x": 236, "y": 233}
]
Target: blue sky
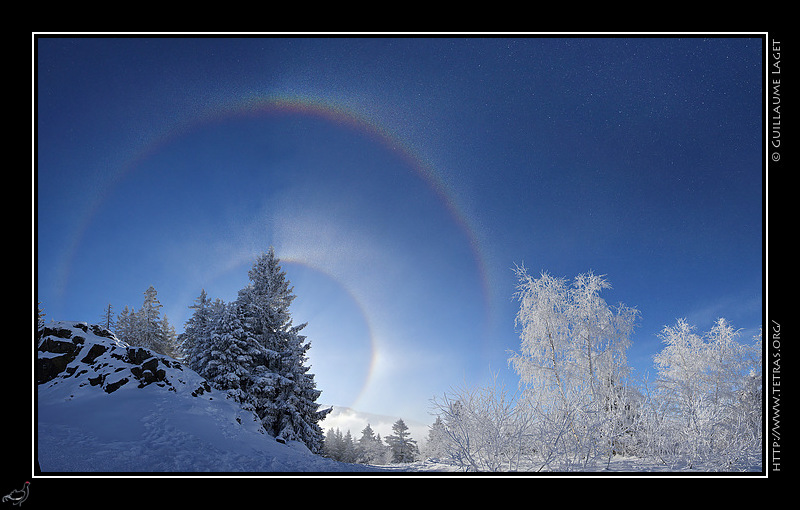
[{"x": 400, "y": 180}]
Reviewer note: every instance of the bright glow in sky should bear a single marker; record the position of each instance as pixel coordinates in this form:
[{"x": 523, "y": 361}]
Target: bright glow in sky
[{"x": 400, "y": 180}]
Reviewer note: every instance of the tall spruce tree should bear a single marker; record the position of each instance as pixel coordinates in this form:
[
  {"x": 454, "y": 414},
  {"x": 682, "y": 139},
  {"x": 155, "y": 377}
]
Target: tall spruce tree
[
  {"x": 371, "y": 449},
  {"x": 169, "y": 338},
  {"x": 404, "y": 449},
  {"x": 280, "y": 388},
  {"x": 149, "y": 321},
  {"x": 39, "y": 315},
  {"x": 126, "y": 329},
  {"x": 196, "y": 333}
]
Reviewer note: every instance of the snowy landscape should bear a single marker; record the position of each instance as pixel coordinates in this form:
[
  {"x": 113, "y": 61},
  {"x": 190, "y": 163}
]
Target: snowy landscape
[
  {"x": 169, "y": 426},
  {"x": 504, "y": 255},
  {"x": 174, "y": 424},
  {"x": 106, "y": 406}
]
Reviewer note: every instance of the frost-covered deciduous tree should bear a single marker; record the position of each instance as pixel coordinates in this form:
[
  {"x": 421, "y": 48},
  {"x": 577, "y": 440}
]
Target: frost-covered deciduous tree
[
  {"x": 708, "y": 396},
  {"x": 751, "y": 394},
  {"x": 573, "y": 366},
  {"x": 579, "y": 405},
  {"x": 481, "y": 429}
]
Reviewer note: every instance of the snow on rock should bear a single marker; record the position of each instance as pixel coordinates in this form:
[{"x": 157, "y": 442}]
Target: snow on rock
[
  {"x": 105, "y": 406},
  {"x": 80, "y": 354}
]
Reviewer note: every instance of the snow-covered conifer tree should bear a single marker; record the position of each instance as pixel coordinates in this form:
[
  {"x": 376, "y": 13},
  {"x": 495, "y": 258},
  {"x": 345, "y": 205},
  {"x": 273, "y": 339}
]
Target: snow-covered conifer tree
[
  {"x": 149, "y": 321},
  {"x": 350, "y": 454},
  {"x": 404, "y": 449},
  {"x": 436, "y": 447},
  {"x": 169, "y": 338},
  {"x": 228, "y": 362},
  {"x": 39, "y": 315},
  {"x": 338, "y": 446},
  {"x": 126, "y": 328},
  {"x": 287, "y": 406},
  {"x": 371, "y": 449},
  {"x": 197, "y": 333}
]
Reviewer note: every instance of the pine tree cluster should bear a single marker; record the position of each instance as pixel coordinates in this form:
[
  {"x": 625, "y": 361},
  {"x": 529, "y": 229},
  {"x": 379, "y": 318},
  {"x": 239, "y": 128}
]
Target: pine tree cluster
[
  {"x": 145, "y": 327},
  {"x": 250, "y": 349},
  {"x": 369, "y": 448}
]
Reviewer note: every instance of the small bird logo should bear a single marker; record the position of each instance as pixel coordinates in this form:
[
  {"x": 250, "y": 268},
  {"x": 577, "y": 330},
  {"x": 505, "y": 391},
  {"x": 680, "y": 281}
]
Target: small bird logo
[{"x": 18, "y": 496}]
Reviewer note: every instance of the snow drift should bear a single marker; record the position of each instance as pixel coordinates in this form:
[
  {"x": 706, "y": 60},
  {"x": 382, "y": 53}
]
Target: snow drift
[{"x": 105, "y": 406}]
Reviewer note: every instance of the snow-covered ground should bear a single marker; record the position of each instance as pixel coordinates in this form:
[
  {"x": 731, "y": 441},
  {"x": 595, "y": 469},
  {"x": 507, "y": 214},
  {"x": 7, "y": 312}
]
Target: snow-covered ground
[
  {"x": 82, "y": 427},
  {"x": 87, "y": 423},
  {"x": 144, "y": 431}
]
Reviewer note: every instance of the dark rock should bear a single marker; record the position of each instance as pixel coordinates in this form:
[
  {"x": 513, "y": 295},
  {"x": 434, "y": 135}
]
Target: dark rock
[
  {"x": 112, "y": 387},
  {"x": 202, "y": 389},
  {"x": 151, "y": 364},
  {"x": 149, "y": 373},
  {"x": 94, "y": 381},
  {"x": 57, "y": 341},
  {"x": 137, "y": 355},
  {"x": 101, "y": 331},
  {"x": 48, "y": 369},
  {"x": 57, "y": 332},
  {"x": 58, "y": 346},
  {"x": 93, "y": 353}
]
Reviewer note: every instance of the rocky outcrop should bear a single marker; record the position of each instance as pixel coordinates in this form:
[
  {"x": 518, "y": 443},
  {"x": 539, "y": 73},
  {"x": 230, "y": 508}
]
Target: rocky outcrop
[
  {"x": 62, "y": 349},
  {"x": 92, "y": 356}
]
